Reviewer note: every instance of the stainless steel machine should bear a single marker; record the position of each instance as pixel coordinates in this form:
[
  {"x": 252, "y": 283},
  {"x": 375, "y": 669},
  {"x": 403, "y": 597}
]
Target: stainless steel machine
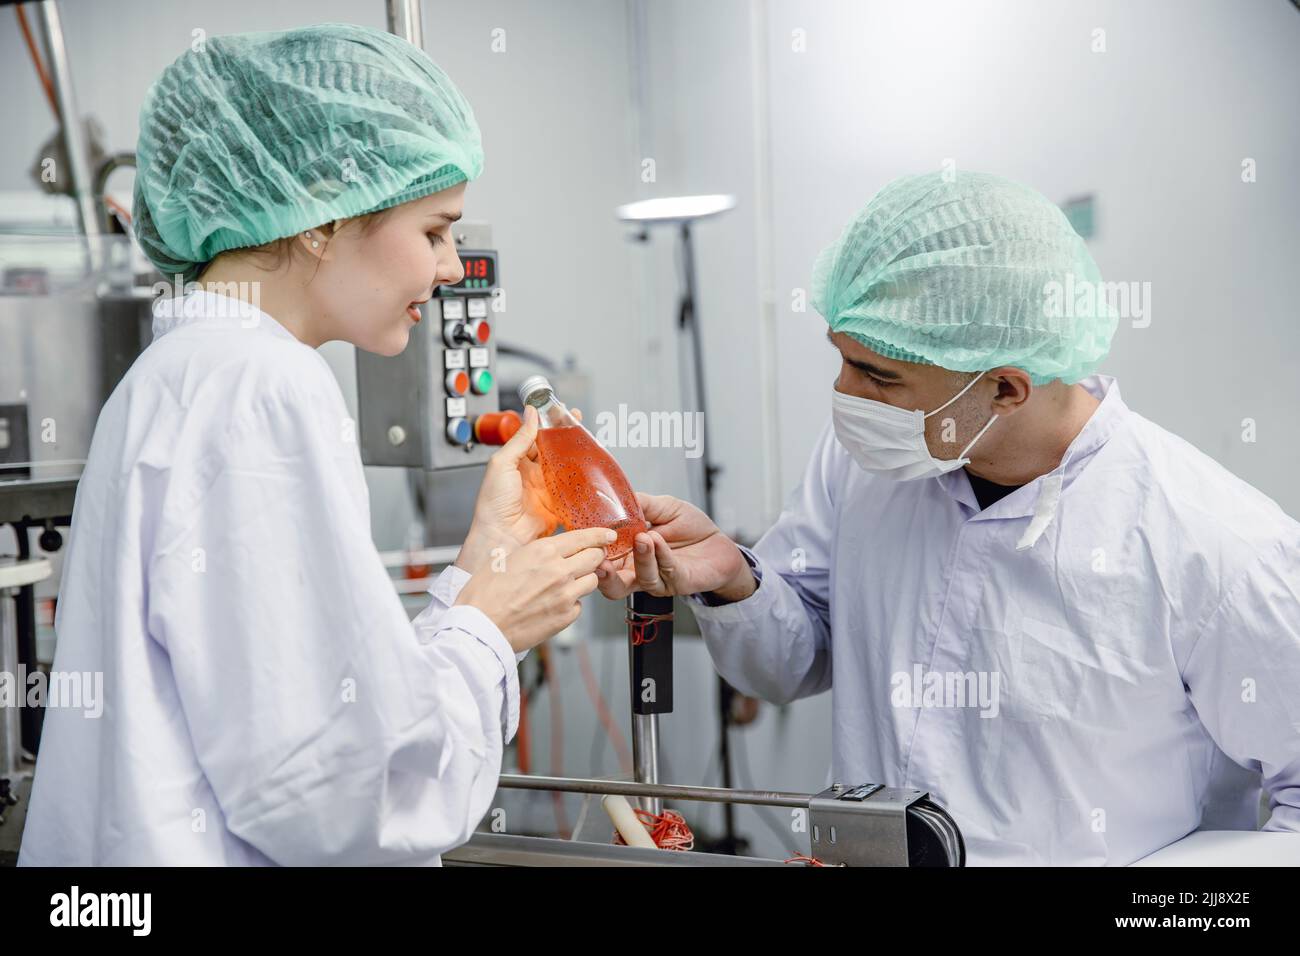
[
  {"x": 71, "y": 324},
  {"x": 61, "y": 355}
]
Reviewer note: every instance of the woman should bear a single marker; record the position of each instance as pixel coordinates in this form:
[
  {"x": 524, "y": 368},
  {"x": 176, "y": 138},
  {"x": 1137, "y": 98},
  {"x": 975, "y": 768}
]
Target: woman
[{"x": 265, "y": 698}]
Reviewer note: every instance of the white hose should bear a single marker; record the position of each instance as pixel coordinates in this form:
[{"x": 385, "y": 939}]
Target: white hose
[{"x": 625, "y": 822}]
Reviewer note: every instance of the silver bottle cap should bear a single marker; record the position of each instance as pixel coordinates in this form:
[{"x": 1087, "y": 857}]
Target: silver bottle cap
[{"x": 531, "y": 384}]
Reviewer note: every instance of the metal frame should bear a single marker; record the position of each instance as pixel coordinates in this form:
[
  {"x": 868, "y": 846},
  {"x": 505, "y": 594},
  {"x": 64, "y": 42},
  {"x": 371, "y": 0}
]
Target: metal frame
[
  {"x": 503, "y": 849},
  {"x": 847, "y": 826}
]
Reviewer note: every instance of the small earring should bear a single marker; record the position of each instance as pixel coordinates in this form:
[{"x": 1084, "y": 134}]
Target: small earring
[{"x": 315, "y": 244}]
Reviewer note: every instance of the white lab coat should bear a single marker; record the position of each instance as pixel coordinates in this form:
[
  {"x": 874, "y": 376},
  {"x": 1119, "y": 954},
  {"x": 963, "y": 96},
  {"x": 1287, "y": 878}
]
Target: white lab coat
[
  {"x": 267, "y": 700},
  {"x": 1148, "y": 645}
]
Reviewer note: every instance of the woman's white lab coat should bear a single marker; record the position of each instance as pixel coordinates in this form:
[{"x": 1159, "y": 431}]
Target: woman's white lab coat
[{"x": 265, "y": 698}]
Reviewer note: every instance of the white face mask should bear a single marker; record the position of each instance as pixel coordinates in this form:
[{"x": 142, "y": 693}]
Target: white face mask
[{"x": 890, "y": 441}]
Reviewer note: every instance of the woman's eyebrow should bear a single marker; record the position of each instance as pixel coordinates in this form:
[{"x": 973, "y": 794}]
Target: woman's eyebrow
[{"x": 446, "y": 215}]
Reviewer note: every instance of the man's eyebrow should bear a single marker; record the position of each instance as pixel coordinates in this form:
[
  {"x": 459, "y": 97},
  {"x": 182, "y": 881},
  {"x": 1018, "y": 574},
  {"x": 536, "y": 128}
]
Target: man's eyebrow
[{"x": 861, "y": 366}]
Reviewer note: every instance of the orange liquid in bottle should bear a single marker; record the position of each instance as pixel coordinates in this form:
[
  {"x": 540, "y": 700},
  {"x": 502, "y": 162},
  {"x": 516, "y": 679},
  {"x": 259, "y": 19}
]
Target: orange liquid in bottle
[{"x": 588, "y": 489}]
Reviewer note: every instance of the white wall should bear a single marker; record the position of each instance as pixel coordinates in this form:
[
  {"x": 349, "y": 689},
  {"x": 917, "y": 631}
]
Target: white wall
[{"x": 1156, "y": 127}]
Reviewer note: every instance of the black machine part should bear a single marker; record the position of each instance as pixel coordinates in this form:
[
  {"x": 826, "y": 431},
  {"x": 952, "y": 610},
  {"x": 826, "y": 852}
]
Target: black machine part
[{"x": 933, "y": 838}]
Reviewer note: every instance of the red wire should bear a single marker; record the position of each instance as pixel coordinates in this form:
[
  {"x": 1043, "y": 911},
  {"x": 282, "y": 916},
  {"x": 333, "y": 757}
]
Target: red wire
[
  {"x": 810, "y": 860},
  {"x": 602, "y": 709},
  {"x": 557, "y": 742},
  {"x": 668, "y": 830},
  {"x": 126, "y": 216},
  {"x": 644, "y": 628},
  {"x": 41, "y": 74}
]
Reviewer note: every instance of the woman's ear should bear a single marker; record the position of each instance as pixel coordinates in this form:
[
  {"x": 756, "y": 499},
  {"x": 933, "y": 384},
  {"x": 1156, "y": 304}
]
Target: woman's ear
[{"x": 315, "y": 241}]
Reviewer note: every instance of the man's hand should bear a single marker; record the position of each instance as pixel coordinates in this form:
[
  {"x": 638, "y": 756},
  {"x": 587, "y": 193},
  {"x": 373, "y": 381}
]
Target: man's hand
[{"x": 683, "y": 553}]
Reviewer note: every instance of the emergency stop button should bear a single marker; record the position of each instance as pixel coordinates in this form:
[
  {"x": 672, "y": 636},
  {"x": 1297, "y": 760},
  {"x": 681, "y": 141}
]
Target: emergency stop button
[{"x": 495, "y": 428}]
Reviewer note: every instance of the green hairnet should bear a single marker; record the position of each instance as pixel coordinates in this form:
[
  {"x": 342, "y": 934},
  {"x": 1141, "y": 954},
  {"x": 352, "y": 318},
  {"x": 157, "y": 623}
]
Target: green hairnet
[
  {"x": 968, "y": 272},
  {"x": 258, "y": 136}
]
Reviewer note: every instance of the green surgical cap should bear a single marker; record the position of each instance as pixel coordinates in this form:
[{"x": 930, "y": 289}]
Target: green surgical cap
[
  {"x": 967, "y": 271},
  {"x": 258, "y": 136}
]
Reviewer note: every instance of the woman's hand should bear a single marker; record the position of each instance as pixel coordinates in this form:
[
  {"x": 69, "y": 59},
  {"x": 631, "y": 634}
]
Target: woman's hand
[
  {"x": 534, "y": 592},
  {"x": 513, "y": 506},
  {"x": 684, "y": 553}
]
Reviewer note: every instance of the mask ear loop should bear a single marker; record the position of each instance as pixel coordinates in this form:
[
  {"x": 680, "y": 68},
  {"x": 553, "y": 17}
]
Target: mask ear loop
[
  {"x": 980, "y": 434},
  {"x": 965, "y": 389}
]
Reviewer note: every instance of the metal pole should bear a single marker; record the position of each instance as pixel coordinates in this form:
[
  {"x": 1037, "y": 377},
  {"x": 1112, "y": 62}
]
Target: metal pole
[
  {"x": 70, "y": 125},
  {"x": 757, "y": 798},
  {"x": 645, "y": 757},
  {"x": 691, "y": 325},
  {"x": 688, "y": 318},
  {"x": 11, "y": 749},
  {"x": 404, "y": 21},
  {"x": 645, "y": 733}
]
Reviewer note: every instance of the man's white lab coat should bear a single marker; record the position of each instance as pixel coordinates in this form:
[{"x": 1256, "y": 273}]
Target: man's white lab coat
[{"x": 1145, "y": 650}]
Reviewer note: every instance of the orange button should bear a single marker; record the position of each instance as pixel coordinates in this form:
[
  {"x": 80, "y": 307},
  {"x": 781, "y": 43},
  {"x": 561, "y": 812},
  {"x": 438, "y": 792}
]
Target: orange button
[
  {"x": 457, "y": 382},
  {"x": 495, "y": 428}
]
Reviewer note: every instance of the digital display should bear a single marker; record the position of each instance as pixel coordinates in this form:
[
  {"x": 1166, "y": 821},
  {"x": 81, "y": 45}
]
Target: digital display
[{"x": 480, "y": 272}]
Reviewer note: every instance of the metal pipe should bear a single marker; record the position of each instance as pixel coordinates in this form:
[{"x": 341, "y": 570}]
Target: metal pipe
[
  {"x": 70, "y": 123},
  {"x": 645, "y": 757},
  {"x": 645, "y": 731},
  {"x": 106, "y": 169},
  {"x": 757, "y": 798},
  {"x": 404, "y": 21},
  {"x": 11, "y": 749},
  {"x": 769, "y": 364}
]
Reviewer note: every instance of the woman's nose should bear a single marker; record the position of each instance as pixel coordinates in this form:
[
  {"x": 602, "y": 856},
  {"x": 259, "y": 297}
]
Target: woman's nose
[{"x": 451, "y": 270}]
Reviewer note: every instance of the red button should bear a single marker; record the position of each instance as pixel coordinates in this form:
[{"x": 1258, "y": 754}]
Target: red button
[{"x": 495, "y": 428}]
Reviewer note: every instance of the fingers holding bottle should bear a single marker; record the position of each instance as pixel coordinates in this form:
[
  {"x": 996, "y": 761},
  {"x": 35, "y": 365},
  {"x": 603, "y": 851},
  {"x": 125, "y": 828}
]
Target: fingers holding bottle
[{"x": 536, "y": 592}]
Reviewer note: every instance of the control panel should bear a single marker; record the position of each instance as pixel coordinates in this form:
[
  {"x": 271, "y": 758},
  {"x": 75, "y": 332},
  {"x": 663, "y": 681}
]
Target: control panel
[{"x": 436, "y": 405}]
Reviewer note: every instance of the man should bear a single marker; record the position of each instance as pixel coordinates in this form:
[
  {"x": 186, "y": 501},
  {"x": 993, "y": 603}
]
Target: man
[{"x": 1077, "y": 632}]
